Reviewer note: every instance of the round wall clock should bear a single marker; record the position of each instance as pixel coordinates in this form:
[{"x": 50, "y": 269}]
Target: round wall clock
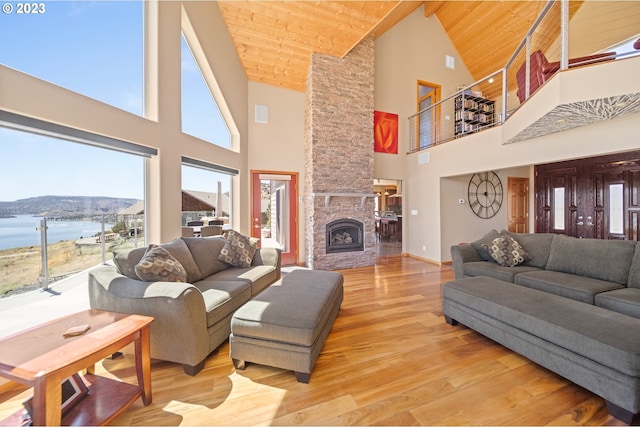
[{"x": 485, "y": 194}]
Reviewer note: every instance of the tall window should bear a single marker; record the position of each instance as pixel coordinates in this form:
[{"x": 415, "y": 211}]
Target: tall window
[
  {"x": 201, "y": 116},
  {"x": 90, "y": 47},
  {"x": 91, "y": 199}
]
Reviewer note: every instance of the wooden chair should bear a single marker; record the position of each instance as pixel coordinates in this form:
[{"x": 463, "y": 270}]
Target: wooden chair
[
  {"x": 187, "y": 232},
  {"x": 210, "y": 230}
]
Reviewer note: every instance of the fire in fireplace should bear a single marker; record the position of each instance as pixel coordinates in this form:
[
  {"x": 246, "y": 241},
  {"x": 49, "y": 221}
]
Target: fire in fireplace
[{"x": 345, "y": 235}]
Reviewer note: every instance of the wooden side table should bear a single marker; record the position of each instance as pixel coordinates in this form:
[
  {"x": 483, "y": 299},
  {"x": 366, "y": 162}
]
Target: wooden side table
[{"x": 42, "y": 358}]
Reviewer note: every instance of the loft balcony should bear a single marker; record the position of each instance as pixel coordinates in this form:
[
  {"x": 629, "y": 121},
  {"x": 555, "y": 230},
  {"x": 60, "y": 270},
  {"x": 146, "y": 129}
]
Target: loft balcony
[
  {"x": 577, "y": 97},
  {"x": 542, "y": 88}
]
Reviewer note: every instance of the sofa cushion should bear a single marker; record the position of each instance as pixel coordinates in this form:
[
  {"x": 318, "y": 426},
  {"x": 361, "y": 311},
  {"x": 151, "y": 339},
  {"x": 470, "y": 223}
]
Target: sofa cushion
[
  {"x": 491, "y": 269},
  {"x": 485, "y": 240},
  {"x": 158, "y": 265},
  {"x": 258, "y": 276},
  {"x": 625, "y": 301},
  {"x": 126, "y": 261},
  {"x": 506, "y": 251},
  {"x": 579, "y": 288},
  {"x": 222, "y": 298},
  {"x": 607, "y": 260},
  {"x": 238, "y": 249},
  {"x": 537, "y": 245},
  {"x": 178, "y": 248},
  {"x": 205, "y": 253}
]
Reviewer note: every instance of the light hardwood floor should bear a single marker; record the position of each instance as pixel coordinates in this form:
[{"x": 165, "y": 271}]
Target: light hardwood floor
[{"x": 390, "y": 359}]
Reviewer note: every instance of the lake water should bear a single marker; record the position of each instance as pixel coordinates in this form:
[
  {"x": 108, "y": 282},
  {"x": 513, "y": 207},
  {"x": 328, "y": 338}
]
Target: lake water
[{"x": 21, "y": 231}]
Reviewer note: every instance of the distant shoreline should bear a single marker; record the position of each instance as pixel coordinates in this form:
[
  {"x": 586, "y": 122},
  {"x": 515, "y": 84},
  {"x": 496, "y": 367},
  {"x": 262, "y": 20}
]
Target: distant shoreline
[{"x": 8, "y": 216}]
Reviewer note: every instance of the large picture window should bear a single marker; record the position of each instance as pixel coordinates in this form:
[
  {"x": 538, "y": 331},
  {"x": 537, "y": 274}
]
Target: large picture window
[{"x": 87, "y": 200}]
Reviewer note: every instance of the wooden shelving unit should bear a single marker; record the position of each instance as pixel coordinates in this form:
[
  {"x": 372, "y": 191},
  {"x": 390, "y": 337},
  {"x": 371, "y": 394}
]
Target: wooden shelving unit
[{"x": 473, "y": 113}]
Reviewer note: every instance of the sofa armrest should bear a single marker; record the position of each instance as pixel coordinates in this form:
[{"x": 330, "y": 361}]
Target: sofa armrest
[
  {"x": 461, "y": 254},
  {"x": 176, "y": 308}
]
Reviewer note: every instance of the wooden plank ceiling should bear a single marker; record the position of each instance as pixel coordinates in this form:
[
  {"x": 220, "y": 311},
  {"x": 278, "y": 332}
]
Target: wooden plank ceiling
[{"x": 275, "y": 39}]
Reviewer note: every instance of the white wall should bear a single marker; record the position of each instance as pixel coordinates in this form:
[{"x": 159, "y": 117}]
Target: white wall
[
  {"x": 278, "y": 146},
  {"x": 412, "y": 50}
]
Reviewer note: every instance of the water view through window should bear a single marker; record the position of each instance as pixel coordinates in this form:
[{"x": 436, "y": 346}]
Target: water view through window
[{"x": 90, "y": 198}]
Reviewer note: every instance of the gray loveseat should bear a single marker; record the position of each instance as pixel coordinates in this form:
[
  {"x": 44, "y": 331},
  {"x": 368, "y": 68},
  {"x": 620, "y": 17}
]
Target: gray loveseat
[
  {"x": 572, "y": 305},
  {"x": 191, "y": 319}
]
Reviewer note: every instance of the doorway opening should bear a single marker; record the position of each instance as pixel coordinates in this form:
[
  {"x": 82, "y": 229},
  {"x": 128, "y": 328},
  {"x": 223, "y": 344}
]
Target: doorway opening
[
  {"x": 388, "y": 216},
  {"x": 518, "y": 204},
  {"x": 274, "y": 210},
  {"x": 428, "y": 121}
]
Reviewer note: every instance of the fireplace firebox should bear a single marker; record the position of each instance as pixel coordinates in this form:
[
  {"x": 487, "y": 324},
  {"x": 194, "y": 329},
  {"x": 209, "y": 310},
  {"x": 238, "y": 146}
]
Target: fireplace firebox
[{"x": 345, "y": 235}]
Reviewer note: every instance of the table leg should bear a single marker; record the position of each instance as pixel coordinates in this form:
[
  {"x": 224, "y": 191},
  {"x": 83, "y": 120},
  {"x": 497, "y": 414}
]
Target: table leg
[
  {"x": 47, "y": 395},
  {"x": 143, "y": 363}
]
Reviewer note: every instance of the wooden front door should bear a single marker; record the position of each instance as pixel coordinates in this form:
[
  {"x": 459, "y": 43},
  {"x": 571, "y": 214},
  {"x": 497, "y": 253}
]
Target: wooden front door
[
  {"x": 592, "y": 198},
  {"x": 518, "y": 204}
]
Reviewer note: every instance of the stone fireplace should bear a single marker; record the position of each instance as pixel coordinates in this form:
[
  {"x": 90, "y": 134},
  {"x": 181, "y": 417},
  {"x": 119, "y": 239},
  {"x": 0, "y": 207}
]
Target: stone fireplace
[
  {"x": 344, "y": 235},
  {"x": 339, "y": 160}
]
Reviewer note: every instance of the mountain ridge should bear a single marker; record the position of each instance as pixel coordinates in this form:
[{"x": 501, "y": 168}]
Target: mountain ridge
[{"x": 65, "y": 206}]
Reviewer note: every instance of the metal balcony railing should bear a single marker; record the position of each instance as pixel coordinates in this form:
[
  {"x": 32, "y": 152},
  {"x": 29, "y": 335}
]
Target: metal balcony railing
[{"x": 489, "y": 101}]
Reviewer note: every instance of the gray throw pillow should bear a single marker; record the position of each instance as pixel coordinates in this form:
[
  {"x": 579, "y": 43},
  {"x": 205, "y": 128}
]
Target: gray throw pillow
[{"x": 158, "y": 265}]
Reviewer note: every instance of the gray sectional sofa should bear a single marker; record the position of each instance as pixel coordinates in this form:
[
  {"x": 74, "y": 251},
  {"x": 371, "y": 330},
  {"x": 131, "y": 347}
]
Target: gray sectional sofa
[
  {"x": 571, "y": 305},
  {"x": 193, "y": 318}
]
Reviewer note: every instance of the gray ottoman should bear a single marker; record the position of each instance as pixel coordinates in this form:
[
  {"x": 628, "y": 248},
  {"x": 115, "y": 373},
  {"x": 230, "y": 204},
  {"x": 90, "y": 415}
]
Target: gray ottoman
[{"x": 285, "y": 326}]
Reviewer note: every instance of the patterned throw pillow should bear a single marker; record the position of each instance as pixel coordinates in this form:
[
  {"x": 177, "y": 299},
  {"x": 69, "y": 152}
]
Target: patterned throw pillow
[
  {"x": 158, "y": 265},
  {"x": 506, "y": 251},
  {"x": 238, "y": 250},
  {"x": 483, "y": 243}
]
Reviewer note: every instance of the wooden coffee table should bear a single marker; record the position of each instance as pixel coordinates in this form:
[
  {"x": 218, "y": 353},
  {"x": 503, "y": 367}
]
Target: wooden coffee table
[{"x": 42, "y": 358}]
